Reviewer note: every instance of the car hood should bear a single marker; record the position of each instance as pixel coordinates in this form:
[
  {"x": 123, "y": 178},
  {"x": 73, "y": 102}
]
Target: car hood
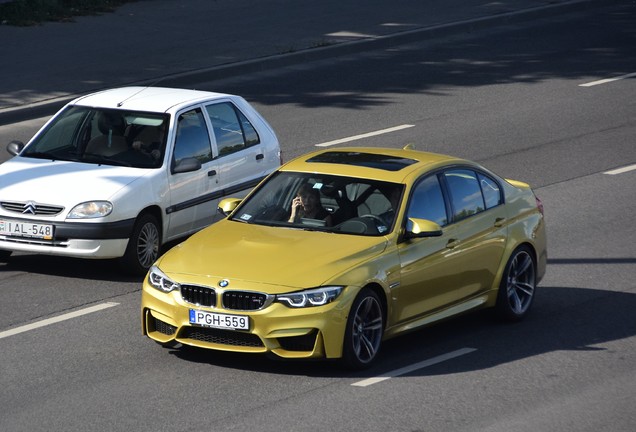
[
  {"x": 275, "y": 256},
  {"x": 62, "y": 182}
]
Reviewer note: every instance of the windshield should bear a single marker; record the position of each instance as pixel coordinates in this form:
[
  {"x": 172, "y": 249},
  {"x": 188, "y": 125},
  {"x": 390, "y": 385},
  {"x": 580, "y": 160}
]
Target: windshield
[
  {"x": 103, "y": 136},
  {"x": 323, "y": 202}
]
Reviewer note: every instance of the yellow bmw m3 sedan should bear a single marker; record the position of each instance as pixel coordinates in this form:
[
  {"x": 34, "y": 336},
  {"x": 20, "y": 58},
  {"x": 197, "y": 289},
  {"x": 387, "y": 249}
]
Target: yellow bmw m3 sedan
[{"x": 341, "y": 249}]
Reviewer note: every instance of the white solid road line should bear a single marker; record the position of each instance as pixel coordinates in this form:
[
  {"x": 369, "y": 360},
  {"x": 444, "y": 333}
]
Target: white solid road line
[
  {"x": 621, "y": 170},
  {"x": 56, "y": 319},
  {"x": 407, "y": 369},
  {"x": 366, "y": 135},
  {"x": 607, "y": 80}
]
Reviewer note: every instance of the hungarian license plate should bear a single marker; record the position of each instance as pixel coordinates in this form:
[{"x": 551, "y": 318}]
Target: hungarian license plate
[
  {"x": 26, "y": 229},
  {"x": 217, "y": 320}
]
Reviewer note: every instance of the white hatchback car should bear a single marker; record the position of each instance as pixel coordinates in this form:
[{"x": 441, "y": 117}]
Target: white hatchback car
[{"x": 118, "y": 173}]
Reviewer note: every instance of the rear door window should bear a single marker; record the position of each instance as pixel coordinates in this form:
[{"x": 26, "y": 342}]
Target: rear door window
[
  {"x": 232, "y": 130},
  {"x": 465, "y": 193}
]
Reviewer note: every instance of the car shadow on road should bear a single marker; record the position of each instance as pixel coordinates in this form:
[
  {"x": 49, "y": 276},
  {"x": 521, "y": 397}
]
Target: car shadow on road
[
  {"x": 562, "y": 319},
  {"x": 75, "y": 268}
]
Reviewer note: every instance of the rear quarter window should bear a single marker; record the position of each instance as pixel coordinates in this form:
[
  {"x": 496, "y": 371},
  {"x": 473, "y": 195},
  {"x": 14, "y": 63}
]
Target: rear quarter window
[{"x": 491, "y": 190}]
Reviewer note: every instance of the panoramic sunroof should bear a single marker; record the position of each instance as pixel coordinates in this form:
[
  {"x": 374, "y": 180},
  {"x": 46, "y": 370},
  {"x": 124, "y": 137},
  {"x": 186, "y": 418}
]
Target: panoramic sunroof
[{"x": 369, "y": 160}]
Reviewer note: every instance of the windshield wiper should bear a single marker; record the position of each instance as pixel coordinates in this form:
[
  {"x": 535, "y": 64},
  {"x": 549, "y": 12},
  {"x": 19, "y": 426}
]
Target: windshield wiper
[
  {"x": 41, "y": 155},
  {"x": 103, "y": 160}
]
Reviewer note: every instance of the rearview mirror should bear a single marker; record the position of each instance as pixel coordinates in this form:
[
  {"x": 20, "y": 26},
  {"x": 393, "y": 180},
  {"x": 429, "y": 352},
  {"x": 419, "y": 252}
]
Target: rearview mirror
[
  {"x": 418, "y": 228},
  {"x": 227, "y": 205},
  {"x": 15, "y": 147}
]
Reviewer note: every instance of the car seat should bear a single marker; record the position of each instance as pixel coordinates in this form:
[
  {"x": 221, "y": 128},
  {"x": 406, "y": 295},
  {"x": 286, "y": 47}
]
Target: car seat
[{"x": 111, "y": 141}]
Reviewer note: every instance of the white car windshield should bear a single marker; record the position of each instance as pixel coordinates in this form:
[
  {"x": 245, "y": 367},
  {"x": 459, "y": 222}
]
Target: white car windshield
[
  {"x": 323, "y": 202},
  {"x": 103, "y": 136}
]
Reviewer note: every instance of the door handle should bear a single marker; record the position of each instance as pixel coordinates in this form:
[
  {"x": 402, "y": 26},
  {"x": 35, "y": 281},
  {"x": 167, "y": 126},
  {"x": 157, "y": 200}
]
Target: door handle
[
  {"x": 211, "y": 173},
  {"x": 452, "y": 243},
  {"x": 260, "y": 156},
  {"x": 499, "y": 222}
]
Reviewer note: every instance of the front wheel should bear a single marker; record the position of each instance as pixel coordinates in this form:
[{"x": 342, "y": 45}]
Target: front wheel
[
  {"x": 363, "y": 334},
  {"x": 518, "y": 285},
  {"x": 143, "y": 246}
]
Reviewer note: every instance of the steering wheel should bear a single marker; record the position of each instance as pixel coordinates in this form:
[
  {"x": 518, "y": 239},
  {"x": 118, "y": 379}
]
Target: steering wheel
[{"x": 375, "y": 218}]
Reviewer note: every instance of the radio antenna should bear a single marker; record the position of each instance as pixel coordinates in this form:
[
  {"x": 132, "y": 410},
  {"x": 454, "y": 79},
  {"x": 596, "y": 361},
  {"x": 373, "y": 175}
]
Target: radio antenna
[{"x": 154, "y": 83}]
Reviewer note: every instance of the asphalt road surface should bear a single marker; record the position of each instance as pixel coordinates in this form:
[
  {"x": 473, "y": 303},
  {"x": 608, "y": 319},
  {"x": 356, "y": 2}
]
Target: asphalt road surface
[{"x": 551, "y": 102}]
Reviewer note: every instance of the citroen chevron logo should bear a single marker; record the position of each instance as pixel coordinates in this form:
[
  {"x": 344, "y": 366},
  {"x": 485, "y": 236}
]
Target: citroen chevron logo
[{"x": 29, "y": 208}]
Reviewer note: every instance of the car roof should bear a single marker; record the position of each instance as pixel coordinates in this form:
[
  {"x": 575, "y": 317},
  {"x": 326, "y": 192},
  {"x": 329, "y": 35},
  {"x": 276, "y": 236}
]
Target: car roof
[
  {"x": 389, "y": 164},
  {"x": 151, "y": 99}
]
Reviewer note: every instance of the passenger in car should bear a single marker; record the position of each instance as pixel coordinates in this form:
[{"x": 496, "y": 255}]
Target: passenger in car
[
  {"x": 306, "y": 205},
  {"x": 148, "y": 140}
]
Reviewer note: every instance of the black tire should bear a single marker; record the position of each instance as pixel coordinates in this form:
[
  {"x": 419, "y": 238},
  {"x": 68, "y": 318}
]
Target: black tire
[
  {"x": 364, "y": 331},
  {"x": 518, "y": 285},
  {"x": 4, "y": 255},
  {"x": 143, "y": 246}
]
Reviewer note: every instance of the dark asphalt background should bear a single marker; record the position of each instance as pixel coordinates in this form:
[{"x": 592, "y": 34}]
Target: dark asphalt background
[{"x": 180, "y": 43}]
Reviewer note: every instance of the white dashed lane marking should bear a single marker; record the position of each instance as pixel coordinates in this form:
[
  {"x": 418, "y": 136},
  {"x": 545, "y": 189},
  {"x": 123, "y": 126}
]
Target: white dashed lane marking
[
  {"x": 416, "y": 366},
  {"x": 56, "y": 319},
  {"x": 365, "y": 135}
]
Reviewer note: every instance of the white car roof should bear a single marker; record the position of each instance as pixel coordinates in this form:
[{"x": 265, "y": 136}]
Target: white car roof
[{"x": 152, "y": 99}]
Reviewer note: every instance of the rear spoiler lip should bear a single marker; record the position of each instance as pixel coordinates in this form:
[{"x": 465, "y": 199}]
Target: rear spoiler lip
[{"x": 518, "y": 184}]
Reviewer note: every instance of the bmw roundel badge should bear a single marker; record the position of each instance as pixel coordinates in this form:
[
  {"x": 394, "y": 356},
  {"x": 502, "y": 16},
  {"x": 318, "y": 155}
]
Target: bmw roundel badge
[{"x": 223, "y": 283}]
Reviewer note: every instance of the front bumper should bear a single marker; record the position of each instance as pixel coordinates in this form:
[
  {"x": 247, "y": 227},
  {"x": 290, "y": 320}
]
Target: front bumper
[
  {"x": 313, "y": 332},
  {"x": 75, "y": 239}
]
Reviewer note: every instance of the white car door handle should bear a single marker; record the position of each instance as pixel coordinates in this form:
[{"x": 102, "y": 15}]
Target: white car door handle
[{"x": 211, "y": 173}]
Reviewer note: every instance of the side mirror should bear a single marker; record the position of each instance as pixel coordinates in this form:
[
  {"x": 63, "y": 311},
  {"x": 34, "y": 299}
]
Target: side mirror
[
  {"x": 15, "y": 147},
  {"x": 186, "y": 165},
  {"x": 419, "y": 228},
  {"x": 227, "y": 206}
]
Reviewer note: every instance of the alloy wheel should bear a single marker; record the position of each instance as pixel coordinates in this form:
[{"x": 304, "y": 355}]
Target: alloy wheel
[
  {"x": 148, "y": 244},
  {"x": 520, "y": 282},
  {"x": 367, "y": 329}
]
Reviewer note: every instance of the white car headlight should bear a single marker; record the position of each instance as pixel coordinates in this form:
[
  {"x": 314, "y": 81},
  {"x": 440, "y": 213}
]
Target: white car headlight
[
  {"x": 91, "y": 209},
  {"x": 313, "y": 297},
  {"x": 159, "y": 280}
]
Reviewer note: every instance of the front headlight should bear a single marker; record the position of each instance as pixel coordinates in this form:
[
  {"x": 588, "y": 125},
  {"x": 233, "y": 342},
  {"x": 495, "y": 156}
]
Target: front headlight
[
  {"x": 91, "y": 209},
  {"x": 313, "y": 297},
  {"x": 160, "y": 281}
]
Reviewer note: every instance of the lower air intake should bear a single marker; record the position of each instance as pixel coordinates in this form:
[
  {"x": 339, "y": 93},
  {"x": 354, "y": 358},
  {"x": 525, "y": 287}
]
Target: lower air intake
[
  {"x": 222, "y": 337},
  {"x": 164, "y": 328}
]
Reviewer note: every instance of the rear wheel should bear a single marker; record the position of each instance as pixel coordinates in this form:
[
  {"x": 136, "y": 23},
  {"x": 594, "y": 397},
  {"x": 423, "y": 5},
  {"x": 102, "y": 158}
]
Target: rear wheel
[
  {"x": 143, "y": 246},
  {"x": 518, "y": 285},
  {"x": 363, "y": 334}
]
